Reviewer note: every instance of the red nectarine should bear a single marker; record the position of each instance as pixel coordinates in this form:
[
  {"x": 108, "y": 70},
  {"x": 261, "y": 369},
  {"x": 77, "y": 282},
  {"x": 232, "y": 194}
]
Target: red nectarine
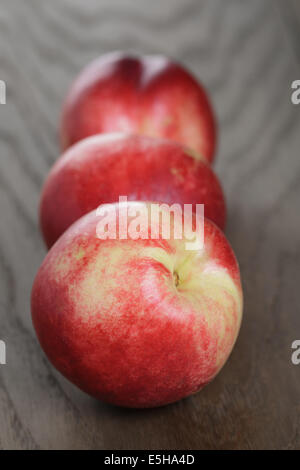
[
  {"x": 137, "y": 323},
  {"x": 149, "y": 95},
  {"x": 99, "y": 169}
]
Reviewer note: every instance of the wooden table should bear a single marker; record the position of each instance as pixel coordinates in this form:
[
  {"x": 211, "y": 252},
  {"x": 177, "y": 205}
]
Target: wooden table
[{"x": 247, "y": 54}]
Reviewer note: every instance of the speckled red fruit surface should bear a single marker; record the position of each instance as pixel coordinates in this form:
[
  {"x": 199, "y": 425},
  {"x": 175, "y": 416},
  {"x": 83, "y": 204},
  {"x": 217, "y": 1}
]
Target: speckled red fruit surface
[
  {"x": 137, "y": 323},
  {"x": 101, "y": 168},
  {"x": 148, "y": 95}
]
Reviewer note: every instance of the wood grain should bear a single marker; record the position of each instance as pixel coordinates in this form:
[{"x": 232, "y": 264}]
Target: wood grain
[{"x": 247, "y": 55}]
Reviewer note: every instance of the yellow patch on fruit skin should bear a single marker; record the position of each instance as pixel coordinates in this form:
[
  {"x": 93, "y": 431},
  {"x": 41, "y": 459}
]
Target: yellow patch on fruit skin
[
  {"x": 61, "y": 266},
  {"x": 177, "y": 174},
  {"x": 162, "y": 256},
  {"x": 101, "y": 278},
  {"x": 79, "y": 254},
  {"x": 209, "y": 289},
  {"x": 198, "y": 278},
  {"x": 167, "y": 121},
  {"x": 148, "y": 128},
  {"x": 192, "y": 153}
]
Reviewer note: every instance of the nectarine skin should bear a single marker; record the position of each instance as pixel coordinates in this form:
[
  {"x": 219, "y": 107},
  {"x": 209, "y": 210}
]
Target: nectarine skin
[
  {"x": 99, "y": 169},
  {"x": 137, "y": 323},
  {"x": 150, "y": 95}
]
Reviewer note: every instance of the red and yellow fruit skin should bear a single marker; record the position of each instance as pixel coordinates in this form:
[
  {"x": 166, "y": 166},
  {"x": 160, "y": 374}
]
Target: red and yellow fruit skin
[
  {"x": 100, "y": 169},
  {"x": 111, "y": 319},
  {"x": 148, "y": 95}
]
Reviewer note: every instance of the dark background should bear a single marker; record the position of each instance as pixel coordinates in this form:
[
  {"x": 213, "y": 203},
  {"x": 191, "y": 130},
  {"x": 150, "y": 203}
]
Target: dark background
[{"x": 247, "y": 54}]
